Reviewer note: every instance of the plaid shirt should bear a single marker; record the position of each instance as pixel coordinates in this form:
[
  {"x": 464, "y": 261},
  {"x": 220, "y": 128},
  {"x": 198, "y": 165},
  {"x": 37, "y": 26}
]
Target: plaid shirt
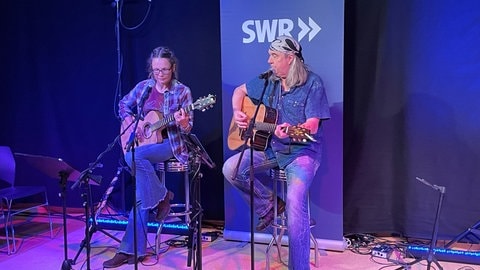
[{"x": 178, "y": 96}]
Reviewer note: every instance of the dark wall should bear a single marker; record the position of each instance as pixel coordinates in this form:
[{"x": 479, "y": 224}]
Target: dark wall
[
  {"x": 411, "y": 103},
  {"x": 411, "y": 99},
  {"x": 61, "y": 82}
]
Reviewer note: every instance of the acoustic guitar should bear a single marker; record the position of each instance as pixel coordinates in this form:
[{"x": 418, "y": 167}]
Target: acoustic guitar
[
  {"x": 265, "y": 124},
  {"x": 150, "y": 128}
]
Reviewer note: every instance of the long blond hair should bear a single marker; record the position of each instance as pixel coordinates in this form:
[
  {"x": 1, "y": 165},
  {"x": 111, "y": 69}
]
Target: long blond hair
[{"x": 297, "y": 74}]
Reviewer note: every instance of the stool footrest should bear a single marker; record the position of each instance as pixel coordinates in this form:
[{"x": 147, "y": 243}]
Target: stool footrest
[{"x": 181, "y": 213}]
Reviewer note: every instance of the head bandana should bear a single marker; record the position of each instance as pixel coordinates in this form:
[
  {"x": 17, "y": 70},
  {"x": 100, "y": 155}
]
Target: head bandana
[{"x": 287, "y": 44}]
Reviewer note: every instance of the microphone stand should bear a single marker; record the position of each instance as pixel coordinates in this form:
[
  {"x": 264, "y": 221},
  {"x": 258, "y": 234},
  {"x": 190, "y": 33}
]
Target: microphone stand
[
  {"x": 131, "y": 147},
  {"x": 431, "y": 250},
  {"x": 249, "y": 136},
  {"x": 67, "y": 264},
  {"x": 86, "y": 196},
  {"x": 85, "y": 177}
]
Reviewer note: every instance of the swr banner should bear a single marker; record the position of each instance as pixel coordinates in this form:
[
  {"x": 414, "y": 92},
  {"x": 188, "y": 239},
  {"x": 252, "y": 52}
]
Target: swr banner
[{"x": 247, "y": 28}]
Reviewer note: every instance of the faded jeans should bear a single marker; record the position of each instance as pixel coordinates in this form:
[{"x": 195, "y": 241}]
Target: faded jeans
[
  {"x": 300, "y": 174},
  {"x": 149, "y": 192}
]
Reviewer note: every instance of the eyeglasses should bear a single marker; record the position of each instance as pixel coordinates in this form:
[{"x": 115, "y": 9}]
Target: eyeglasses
[{"x": 164, "y": 71}]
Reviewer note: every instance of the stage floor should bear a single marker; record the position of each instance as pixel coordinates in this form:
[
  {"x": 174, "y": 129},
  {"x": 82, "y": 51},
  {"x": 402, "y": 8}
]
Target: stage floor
[{"x": 36, "y": 250}]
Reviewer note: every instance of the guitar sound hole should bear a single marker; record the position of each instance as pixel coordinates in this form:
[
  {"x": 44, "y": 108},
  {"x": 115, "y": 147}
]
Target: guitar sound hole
[{"x": 147, "y": 133}]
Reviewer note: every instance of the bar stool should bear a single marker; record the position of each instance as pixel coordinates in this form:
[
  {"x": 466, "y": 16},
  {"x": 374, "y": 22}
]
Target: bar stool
[
  {"x": 178, "y": 209},
  {"x": 279, "y": 223}
]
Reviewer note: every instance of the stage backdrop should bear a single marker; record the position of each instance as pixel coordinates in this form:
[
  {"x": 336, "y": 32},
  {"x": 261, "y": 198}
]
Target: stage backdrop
[{"x": 247, "y": 28}]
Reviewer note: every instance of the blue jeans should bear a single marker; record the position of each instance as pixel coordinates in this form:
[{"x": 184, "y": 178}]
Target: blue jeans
[
  {"x": 300, "y": 174},
  {"x": 149, "y": 192}
]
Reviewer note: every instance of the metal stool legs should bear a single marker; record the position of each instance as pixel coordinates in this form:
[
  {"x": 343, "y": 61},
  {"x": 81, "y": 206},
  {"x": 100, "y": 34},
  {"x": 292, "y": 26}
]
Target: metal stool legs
[
  {"x": 185, "y": 211},
  {"x": 279, "y": 224}
]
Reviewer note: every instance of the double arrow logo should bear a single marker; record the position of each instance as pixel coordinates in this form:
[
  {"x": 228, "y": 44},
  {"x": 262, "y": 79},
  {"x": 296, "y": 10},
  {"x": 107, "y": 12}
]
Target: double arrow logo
[
  {"x": 261, "y": 30},
  {"x": 311, "y": 29}
]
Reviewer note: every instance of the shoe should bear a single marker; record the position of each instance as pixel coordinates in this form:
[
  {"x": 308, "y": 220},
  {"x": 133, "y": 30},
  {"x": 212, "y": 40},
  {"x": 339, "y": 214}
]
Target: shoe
[
  {"x": 163, "y": 207},
  {"x": 265, "y": 221},
  {"x": 119, "y": 259}
]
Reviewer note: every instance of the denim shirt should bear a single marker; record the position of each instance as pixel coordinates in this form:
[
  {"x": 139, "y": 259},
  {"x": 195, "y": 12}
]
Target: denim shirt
[{"x": 294, "y": 107}]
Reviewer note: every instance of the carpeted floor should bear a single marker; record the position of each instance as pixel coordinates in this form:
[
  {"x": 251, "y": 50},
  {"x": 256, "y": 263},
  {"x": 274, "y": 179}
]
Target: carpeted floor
[{"x": 36, "y": 250}]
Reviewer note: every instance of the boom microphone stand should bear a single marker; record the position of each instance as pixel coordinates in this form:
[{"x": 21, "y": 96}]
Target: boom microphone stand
[
  {"x": 431, "y": 250},
  {"x": 249, "y": 137},
  {"x": 87, "y": 195},
  {"x": 84, "y": 178},
  {"x": 92, "y": 226},
  {"x": 131, "y": 147}
]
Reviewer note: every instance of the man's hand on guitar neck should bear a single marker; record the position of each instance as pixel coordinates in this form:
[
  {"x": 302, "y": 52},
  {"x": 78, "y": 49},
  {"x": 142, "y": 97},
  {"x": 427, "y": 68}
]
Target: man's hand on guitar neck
[
  {"x": 297, "y": 133},
  {"x": 281, "y": 130}
]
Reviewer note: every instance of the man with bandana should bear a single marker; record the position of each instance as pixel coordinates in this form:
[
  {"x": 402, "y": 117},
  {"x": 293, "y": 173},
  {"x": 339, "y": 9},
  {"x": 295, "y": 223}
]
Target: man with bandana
[{"x": 298, "y": 96}]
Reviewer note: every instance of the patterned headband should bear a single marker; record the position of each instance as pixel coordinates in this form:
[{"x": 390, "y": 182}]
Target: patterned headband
[{"x": 287, "y": 44}]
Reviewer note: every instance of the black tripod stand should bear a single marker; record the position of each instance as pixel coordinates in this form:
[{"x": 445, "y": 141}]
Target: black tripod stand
[
  {"x": 431, "y": 250},
  {"x": 92, "y": 225}
]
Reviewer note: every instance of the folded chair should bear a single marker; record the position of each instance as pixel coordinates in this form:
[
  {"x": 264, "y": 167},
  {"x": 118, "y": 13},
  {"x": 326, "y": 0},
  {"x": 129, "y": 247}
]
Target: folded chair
[{"x": 10, "y": 194}]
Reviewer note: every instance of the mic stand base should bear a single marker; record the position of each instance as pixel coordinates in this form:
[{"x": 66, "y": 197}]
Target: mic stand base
[
  {"x": 83, "y": 244},
  {"x": 431, "y": 253},
  {"x": 67, "y": 265}
]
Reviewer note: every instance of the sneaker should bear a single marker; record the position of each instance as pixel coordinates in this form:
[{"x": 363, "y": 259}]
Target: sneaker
[
  {"x": 266, "y": 220},
  {"x": 163, "y": 207}
]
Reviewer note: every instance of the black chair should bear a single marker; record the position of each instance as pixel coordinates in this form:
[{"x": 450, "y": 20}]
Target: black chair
[{"x": 9, "y": 195}]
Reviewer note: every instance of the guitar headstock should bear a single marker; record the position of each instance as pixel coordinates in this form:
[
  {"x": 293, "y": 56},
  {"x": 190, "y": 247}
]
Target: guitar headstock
[
  {"x": 204, "y": 103},
  {"x": 299, "y": 134}
]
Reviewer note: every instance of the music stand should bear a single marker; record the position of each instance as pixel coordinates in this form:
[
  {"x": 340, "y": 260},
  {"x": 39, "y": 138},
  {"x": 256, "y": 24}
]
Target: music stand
[
  {"x": 199, "y": 156},
  {"x": 55, "y": 168},
  {"x": 474, "y": 230},
  {"x": 195, "y": 146}
]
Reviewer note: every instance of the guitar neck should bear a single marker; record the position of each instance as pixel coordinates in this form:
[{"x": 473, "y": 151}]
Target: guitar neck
[
  {"x": 169, "y": 118},
  {"x": 270, "y": 127}
]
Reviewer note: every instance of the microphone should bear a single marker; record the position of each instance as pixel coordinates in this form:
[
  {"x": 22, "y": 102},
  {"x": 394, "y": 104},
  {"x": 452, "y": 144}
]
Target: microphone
[
  {"x": 266, "y": 75},
  {"x": 146, "y": 90}
]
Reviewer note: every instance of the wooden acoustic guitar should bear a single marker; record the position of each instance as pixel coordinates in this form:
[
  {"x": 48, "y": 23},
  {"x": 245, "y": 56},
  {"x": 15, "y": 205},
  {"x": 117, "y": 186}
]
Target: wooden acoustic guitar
[
  {"x": 265, "y": 124},
  {"x": 149, "y": 130}
]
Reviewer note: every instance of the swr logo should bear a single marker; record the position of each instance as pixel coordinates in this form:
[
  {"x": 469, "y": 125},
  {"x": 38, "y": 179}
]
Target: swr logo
[{"x": 269, "y": 29}]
